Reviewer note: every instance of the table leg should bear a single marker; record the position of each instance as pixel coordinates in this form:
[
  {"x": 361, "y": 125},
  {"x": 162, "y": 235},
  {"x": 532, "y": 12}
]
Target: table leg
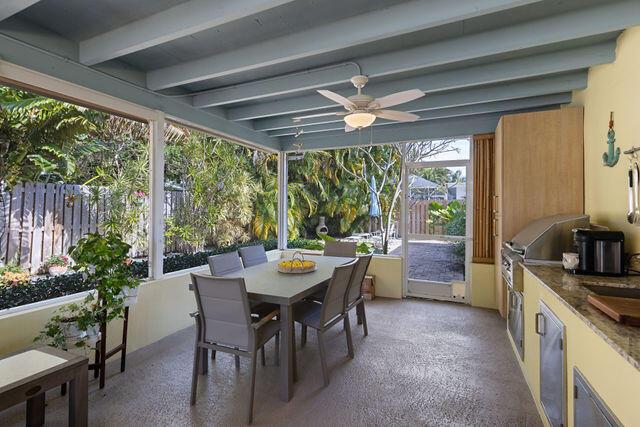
[
  {"x": 78, "y": 396},
  {"x": 286, "y": 352},
  {"x": 35, "y": 410}
]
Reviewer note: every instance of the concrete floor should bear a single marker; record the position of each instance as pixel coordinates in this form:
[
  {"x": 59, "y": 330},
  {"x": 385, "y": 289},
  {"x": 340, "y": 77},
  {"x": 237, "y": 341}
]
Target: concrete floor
[{"x": 423, "y": 363}]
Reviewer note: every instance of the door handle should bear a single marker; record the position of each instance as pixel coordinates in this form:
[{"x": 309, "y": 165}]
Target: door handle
[{"x": 539, "y": 323}]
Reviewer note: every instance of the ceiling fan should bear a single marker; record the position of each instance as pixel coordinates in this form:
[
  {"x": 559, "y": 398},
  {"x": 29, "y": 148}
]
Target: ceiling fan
[{"x": 362, "y": 110}]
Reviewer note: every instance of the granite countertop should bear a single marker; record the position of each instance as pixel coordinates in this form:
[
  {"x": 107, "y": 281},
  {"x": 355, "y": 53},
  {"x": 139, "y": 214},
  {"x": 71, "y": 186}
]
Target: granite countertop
[{"x": 570, "y": 290}]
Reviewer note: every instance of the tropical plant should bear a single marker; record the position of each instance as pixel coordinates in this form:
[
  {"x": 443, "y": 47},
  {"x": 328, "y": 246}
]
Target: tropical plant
[
  {"x": 13, "y": 275},
  {"x": 452, "y": 217}
]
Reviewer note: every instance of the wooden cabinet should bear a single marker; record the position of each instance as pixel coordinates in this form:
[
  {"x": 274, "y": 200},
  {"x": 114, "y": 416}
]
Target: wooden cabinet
[{"x": 538, "y": 172}]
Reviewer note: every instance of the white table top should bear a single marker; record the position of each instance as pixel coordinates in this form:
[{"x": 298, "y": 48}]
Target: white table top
[
  {"x": 23, "y": 365},
  {"x": 265, "y": 282}
]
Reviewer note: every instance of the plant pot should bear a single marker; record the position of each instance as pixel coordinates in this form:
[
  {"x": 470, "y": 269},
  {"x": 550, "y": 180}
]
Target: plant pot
[
  {"x": 71, "y": 331},
  {"x": 130, "y": 296},
  {"x": 57, "y": 270},
  {"x": 92, "y": 335}
]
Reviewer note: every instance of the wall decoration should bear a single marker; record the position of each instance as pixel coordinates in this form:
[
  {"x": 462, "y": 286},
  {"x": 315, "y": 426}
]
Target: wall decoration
[{"x": 610, "y": 158}]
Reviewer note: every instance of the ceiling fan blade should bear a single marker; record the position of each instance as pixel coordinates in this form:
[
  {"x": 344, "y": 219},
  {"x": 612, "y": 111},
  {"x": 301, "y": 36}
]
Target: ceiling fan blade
[
  {"x": 399, "y": 116},
  {"x": 338, "y": 98},
  {"x": 397, "y": 98},
  {"x": 348, "y": 128}
]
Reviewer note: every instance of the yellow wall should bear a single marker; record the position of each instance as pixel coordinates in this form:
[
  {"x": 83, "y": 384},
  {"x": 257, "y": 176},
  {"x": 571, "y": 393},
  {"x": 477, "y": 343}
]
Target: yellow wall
[
  {"x": 612, "y": 87},
  {"x": 615, "y": 380},
  {"x": 163, "y": 308},
  {"x": 388, "y": 275},
  {"x": 483, "y": 291}
]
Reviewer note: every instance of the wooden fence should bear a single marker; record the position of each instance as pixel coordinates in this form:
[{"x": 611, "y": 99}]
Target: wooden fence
[
  {"x": 418, "y": 218},
  {"x": 41, "y": 220}
]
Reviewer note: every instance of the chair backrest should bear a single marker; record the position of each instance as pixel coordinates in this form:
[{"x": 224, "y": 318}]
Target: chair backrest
[
  {"x": 224, "y": 310},
  {"x": 344, "y": 249},
  {"x": 355, "y": 287},
  {"x": 334, "y": 300},
  {"x": 253, "y": 255},
  {"x": 223, "y": 264}
]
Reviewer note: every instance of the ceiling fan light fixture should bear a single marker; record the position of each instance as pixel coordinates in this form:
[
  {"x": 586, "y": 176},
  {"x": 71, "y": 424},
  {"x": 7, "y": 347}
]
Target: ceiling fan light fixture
[{"x": 359, "y": 120}]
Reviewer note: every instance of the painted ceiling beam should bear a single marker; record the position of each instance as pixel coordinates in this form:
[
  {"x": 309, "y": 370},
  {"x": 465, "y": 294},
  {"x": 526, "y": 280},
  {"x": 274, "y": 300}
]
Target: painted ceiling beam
[
  {"x": 277, "y": 86},
  {"x": 27, "y": 56},
  {"x": 475, "y": 95},
  {"x": 465, "y": 110},
  {"x": 364, "y": 28},
  {"x": 520, "y": 68},
  {"x": 419, "y": 131},
  {"x": 9, "y": 8},
  {"x": 179, "y": 21},
  {"x": 513, "y": 69}
]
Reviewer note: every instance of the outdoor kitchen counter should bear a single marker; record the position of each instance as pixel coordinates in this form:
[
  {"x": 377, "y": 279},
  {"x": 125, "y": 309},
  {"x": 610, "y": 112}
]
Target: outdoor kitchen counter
[{"x": 570, "y": 291}]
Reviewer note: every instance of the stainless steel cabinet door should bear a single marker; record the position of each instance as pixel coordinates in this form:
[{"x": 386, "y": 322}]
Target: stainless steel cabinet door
[
  {"x": 516, "y": 321},
  {"x": 552, "y": 366},
  {"x": 588, "y": 409}
]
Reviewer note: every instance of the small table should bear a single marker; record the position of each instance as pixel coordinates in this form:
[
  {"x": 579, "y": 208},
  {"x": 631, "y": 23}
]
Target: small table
[
  {"x": 29, "y": 373},
  {"x": 265, "y": 284}
]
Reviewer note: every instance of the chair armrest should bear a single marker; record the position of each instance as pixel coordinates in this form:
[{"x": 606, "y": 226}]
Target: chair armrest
[
  {"x": 265, "y": 319},
  {"x": 195, "y": 314}
]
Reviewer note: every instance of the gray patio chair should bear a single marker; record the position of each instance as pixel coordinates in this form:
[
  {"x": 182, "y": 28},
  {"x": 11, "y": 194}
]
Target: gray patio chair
[
  {"x": 354, "y": 295},
  {"x": 253, "y": 255},
  {"x": 224, "y": 323},
  {"x": 223, "y": 264},
  {"x": 229, "y": 263},
  {"x": 343, "y": 249},
  {"x": 322, "y": 317}
]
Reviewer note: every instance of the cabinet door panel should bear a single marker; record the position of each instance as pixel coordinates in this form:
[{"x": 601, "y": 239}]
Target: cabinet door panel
[
  {"x": 588, "y": 408},
  {"x": 552, "y": 370}
]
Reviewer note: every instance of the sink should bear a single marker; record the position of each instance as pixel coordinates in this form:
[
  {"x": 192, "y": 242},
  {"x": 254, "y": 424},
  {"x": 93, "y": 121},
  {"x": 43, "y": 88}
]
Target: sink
[{"x": 610, "y": 291}]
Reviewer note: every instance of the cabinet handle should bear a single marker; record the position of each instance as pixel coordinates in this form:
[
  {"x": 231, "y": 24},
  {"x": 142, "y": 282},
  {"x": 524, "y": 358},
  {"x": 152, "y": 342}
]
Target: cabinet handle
[
  {"x": 540, "y": 322},
  {"x": 494, "y": 223}
]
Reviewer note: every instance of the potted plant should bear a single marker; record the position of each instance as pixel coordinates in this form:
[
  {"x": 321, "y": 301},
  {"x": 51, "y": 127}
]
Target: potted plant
[
  {"x": 104, "y": 262},
  {"x": 74, "y": 327},
  {"x": 58, "y": 264}
]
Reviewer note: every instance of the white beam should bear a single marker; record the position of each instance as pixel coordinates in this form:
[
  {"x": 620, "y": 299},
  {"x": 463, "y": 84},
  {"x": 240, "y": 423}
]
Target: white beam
[
  {"x": 156, "y": 196},
  {"x": 465, "y": 110},
  {"x": 443, "y": 128},
  {"x": 9, "y": 8},
  {"x": 171, "y": 24},
  {"x": 283, "y": 216},
  {"x": 363, "y": 28},
  {"x": 511, "y": 69},
  {"x": 474, "y": 95}
]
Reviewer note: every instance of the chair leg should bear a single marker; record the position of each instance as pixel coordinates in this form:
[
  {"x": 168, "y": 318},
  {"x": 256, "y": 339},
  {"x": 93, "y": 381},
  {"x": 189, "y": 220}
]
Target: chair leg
[
  {"x": 237, "y": 360},
  {"x": 359, "y": 312},
  {"x": 347, "y": 325},
  {"x": 194, "y": 375},
  {"x": 213, "y": 355},
  {"x": 303, "y": 335},
  {"x": 364, "y": 319},
  {"x": 262, "y": 358},
  {"x": 278, "y": 349},
  {"x": 323, "y": 359},
  {"x": 253, "y": 385}
]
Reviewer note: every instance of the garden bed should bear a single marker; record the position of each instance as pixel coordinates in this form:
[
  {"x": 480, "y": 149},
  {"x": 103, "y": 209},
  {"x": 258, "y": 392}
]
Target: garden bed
[{"x": 41, "y": 288}]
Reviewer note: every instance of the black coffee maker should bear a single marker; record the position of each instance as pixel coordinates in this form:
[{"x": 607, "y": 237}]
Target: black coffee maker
[{"x": 600, "y": 252}]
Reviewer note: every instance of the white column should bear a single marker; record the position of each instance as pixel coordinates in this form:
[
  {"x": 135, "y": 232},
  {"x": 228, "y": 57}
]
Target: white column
[
  {"x": 403, "y": 217},
  {"x": 156, "y": 196},
  {"x": 283, "y": 179}
]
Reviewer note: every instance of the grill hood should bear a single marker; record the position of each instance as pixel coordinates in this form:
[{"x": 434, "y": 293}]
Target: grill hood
[{"x": 547, "y": 238}]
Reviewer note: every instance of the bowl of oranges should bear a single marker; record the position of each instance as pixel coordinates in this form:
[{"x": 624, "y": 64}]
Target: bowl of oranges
[{"x": 297, "y": 265}]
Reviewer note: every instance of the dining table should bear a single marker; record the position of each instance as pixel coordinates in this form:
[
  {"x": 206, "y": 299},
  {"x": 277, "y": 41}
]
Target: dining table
[{"x": 264, "y": 283}]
